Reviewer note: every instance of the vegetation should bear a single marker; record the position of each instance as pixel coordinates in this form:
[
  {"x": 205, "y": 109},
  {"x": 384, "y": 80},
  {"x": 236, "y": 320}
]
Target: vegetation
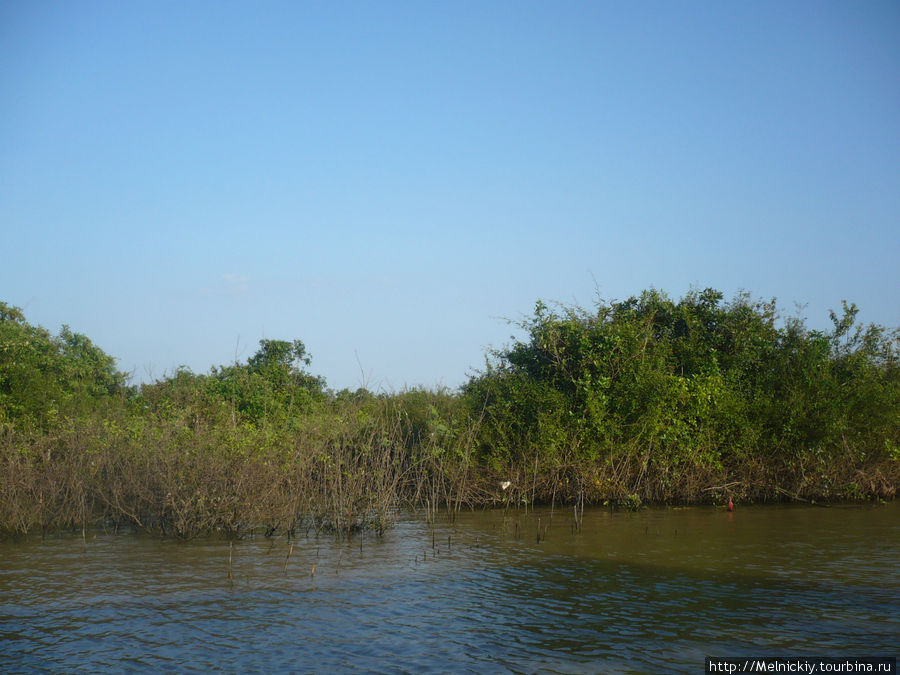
[
  {"x": 656, "y": 400},
  {"x": 645, "y": 400},
  {"x": 45, "y": 379}
]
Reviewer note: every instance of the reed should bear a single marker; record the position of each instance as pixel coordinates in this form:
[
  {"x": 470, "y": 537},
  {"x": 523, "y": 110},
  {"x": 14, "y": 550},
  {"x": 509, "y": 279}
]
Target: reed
[{"x": 349, "y": 476}]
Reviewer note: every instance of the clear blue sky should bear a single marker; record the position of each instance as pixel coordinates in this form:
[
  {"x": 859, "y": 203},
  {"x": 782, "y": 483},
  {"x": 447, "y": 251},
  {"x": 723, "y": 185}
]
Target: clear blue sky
[{"x": 388, "y": 180}]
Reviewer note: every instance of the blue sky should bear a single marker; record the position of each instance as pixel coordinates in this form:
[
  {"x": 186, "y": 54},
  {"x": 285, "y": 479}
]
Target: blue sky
[{"x": 389, "y": 181}]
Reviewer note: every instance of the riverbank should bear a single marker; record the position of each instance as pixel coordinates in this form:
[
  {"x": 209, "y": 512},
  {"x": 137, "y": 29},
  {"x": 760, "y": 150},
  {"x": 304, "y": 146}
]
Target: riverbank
[
  {"x": 645, "y": 401},
  {"x": 349, "y": 476}
]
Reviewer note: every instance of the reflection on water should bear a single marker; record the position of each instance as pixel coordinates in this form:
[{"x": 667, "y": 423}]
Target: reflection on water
[{"x": 653, "y": 591}]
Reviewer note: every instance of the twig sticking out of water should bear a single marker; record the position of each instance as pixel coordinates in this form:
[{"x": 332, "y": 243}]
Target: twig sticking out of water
[
  {"x": 286, "y": 558},
  {"x": 230, "y": 572}
]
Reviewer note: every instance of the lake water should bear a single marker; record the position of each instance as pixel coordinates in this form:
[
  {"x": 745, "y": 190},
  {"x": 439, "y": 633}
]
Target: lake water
[{"x": 647, "y": 592}]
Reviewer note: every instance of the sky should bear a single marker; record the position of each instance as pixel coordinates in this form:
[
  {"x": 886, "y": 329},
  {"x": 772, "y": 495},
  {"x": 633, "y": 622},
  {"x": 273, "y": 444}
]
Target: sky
[{"x": 395, "y": 182}]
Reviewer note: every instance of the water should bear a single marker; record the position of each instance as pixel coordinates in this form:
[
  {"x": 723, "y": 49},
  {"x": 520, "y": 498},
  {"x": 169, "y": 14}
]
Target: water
[{"x": 647, "y": 592}]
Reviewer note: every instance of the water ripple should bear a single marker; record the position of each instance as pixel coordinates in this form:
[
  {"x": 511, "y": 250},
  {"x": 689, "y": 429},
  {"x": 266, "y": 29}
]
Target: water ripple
[{"x": 626, "y": 593}]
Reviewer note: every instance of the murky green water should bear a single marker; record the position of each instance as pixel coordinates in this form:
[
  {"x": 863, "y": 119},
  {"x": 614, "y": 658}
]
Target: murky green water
[{"x": 647, "y": 592}]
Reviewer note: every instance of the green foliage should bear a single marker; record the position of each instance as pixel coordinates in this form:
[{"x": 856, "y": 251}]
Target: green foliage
[
  {"x": 271, "y": 388},
  {"x": 694, "y": 383},
  {"x": 46, "y": 378}
]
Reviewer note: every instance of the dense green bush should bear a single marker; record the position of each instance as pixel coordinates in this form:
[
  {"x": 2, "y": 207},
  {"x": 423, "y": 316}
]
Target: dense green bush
[
  {"x": 46, "y": 378},
  {"x": 696, "y": 384},
  {"x": 272, "y": 388}
]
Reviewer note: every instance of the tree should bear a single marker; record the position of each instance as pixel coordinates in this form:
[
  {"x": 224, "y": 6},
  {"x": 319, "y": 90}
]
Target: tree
[{"x": 44, "y": 378}]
